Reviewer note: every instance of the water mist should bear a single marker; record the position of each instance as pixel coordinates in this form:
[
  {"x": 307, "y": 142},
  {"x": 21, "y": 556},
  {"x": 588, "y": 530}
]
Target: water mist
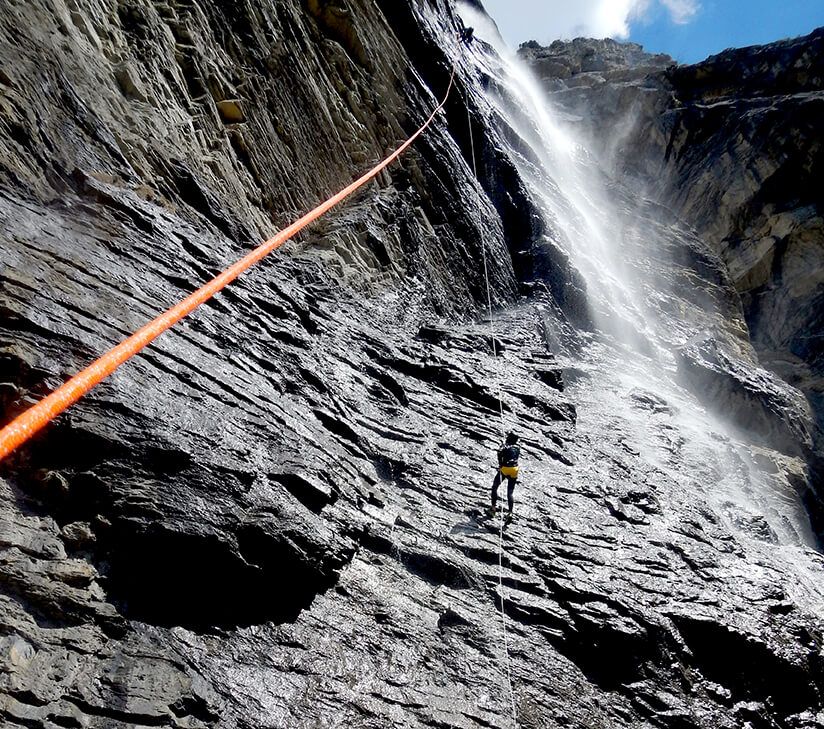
[{"x": 650, "y": 297}]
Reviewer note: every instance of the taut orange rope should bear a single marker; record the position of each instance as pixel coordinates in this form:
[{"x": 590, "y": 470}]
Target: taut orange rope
[{"x": 32, "y": 420}]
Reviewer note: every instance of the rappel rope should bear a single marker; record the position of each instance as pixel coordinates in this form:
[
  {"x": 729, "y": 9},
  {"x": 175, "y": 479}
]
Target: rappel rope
[
  {"x": 28, "y": 423},
  {"x": 32, "y": 420},
  {"x": 507, "y": 659}
]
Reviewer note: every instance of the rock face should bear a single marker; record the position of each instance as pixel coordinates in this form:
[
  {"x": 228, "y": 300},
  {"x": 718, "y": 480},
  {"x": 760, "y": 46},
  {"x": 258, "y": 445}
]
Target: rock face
[
  {"x": 272, "y": 517},
  {"x": 732, "y": 146},
  {"x": 588, "y": 62}
]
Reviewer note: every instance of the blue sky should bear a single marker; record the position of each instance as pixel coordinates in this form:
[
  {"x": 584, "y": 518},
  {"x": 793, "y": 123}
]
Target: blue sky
[{"x": 688, "y": 30}]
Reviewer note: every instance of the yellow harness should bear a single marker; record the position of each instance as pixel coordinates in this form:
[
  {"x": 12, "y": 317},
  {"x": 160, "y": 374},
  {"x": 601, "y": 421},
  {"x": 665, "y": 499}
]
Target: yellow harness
[{"x": 509, "y": 471}]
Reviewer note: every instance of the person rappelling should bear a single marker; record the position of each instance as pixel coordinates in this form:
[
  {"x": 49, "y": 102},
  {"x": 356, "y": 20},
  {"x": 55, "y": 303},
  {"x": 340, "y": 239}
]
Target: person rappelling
[
  {"x": 466, "y": 35},
  {"x": 508, "y": 456}
]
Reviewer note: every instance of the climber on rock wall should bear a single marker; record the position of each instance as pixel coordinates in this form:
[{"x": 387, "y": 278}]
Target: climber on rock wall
[{"x": 508, "y": 455}]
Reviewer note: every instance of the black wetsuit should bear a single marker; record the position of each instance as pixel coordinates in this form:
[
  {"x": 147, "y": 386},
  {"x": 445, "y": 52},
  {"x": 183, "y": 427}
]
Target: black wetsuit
[{"x": 508, "y": 456}]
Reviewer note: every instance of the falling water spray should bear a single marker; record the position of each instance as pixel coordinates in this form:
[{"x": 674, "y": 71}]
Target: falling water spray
[{"x": 653, "y": 291}]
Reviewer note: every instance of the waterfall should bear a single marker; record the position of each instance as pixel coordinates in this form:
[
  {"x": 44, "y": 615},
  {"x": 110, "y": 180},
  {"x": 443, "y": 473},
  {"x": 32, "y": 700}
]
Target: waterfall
[{"x": 651, "y": 295}]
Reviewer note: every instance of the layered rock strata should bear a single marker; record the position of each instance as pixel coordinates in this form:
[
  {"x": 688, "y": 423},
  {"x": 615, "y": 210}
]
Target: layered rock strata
[{"x": 271, "y": 518}]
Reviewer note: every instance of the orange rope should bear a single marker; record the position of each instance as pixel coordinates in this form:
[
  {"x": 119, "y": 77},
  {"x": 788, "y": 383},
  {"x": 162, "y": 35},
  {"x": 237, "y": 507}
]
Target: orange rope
[{"x": 32, "y": 420}]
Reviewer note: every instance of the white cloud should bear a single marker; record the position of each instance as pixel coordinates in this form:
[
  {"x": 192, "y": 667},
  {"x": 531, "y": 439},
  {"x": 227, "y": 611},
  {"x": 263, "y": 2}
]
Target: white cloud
[
  {"x": 521, "y": 20},
  {"x": 681, "y": 11},
  {"x": 610, "y": 17}
]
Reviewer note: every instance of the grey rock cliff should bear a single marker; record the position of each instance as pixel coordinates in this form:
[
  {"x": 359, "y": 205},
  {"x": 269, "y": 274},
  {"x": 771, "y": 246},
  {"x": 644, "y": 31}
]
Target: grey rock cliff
[
  {"x": 271, "y": 517},
  {"x": 732, "y": 145}
]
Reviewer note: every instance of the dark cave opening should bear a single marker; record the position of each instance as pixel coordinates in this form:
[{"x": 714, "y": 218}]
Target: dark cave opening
[{"x": 202, "y": 582}]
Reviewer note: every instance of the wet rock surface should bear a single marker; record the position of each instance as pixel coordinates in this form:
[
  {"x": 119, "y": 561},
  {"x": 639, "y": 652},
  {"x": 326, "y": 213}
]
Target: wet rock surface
[
  {"x": 732, "y": 145},
  {"x": 273, "y": 517}
]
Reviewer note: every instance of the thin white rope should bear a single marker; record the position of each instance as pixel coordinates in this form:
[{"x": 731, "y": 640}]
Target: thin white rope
[
  {"x": 508, "y": 661},
  {"x": 488, "y": 289}
]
